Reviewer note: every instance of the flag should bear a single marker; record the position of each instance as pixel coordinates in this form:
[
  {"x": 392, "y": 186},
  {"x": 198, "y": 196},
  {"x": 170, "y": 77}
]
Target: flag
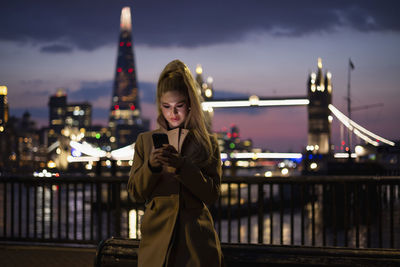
[{"x": 351, "y": 64}]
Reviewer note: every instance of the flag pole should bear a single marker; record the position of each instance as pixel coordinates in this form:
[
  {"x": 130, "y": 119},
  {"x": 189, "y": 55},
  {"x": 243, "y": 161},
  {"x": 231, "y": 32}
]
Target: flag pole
[{"x": 350, "y": 67}]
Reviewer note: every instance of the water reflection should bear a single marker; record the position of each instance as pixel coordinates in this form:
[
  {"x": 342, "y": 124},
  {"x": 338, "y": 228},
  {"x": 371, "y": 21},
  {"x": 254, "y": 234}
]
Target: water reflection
[{"x": 135, "y": 217}]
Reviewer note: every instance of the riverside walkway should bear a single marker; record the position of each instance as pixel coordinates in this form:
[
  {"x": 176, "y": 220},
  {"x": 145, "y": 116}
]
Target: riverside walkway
[{"x": 23, "y": 255}]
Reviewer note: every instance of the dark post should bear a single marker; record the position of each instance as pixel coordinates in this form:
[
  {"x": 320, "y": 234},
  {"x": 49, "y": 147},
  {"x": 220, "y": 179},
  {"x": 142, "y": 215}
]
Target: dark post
[
  {"x": 116, "y": 199},
  {"x": 260, "y": 213},
  {"x": 98, "y": 168},
  {"x": 99, "y": 212},
  {"x": 116, "y": 187}
]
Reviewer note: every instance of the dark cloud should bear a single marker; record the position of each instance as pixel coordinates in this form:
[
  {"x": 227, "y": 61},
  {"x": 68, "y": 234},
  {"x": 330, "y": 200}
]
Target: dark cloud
[
  {"x": 147, "y": 92},
  {"x": 56, "y": 48},
  {"x": 90, "y": 91},
  {"x": 225, "y": 94},
  {"x": 35, "y": 112},
  {"x": 91, "y": 24}
]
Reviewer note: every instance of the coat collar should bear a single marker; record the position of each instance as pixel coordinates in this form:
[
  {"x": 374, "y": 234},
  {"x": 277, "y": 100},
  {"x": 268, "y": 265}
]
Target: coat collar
[{"x": 176, "y": 136}]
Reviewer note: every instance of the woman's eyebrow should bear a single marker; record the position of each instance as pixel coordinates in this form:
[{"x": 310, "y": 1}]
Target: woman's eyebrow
[{"x": 179, "y": 102}]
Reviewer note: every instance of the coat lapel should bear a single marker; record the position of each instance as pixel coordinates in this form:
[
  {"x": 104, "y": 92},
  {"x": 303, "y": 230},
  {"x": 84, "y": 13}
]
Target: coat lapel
[{"x": 176, "y": 136}]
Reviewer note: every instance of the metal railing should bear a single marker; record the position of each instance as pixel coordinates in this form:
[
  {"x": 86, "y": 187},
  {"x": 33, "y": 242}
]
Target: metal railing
[{"x": 312, "y": 211}]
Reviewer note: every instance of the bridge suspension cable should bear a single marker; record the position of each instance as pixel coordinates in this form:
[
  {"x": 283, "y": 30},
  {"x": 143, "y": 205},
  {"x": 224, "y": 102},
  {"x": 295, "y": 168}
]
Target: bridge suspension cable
[{"x": 358, "y": 130}]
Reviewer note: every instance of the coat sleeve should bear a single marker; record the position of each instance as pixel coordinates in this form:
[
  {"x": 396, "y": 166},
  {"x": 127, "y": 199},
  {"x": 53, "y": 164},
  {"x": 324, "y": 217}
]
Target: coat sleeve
[
  {"x": 142, "y": 180},
  {"x": 204, "y": 183}
]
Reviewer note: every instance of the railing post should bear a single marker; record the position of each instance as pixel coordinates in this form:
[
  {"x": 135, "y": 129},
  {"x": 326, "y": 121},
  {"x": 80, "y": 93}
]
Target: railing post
[
  {"x": 98, "y": 168},
  {"x": 248, "y": 213},
  {"x": 99, "y": 212},
  {"x": 116, "y": 193},
  {"x": 113, "y": 168},
  {"x": 260, "y": 213},
  {"x": 391, "y": 204},
  {"x": 229, "y": 214}
]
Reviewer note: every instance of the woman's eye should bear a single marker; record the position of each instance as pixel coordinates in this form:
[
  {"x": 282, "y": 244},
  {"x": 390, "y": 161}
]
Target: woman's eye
[{"x": 165, "y": 106}]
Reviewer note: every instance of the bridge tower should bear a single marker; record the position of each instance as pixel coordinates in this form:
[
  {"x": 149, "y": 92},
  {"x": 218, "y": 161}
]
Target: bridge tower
[
  {"x": 206, "y": 91},
  {"x": 319, "y": 93}
]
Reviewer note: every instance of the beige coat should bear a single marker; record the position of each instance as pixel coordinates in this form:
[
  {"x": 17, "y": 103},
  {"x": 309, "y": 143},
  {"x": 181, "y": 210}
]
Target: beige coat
[{"x": 177, "y": 228}]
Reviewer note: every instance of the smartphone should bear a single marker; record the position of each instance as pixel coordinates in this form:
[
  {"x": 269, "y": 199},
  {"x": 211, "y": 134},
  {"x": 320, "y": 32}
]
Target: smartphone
[{"x": 159, "y": 139}]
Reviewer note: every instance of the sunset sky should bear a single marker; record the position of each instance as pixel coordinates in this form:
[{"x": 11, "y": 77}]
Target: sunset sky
[{"x": 267, "y": 48}]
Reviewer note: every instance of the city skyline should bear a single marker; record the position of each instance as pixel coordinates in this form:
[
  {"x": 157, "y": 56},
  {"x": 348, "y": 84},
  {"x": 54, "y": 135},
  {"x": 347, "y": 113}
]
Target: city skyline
[{"x": 267, "y": 56}]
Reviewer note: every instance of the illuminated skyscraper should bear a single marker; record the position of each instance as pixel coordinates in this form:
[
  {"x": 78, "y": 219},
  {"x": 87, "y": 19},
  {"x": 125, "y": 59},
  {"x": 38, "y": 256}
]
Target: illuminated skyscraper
[
  {"x": 3, "y": 107},
  {"x": 319, "y": 116},
  {"x": 125, "y": 100},
  {"x": 125, "y": 120}
]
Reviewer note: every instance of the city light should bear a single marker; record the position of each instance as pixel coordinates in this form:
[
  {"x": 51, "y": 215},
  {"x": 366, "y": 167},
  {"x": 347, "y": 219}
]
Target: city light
[
  {"x": 208, "y": 92},
  {"x": 252, "y": 155},
  {"x": 3, "y": 90},
  {"x": 126, "y": 21},
  {"x": 82, "y": 159},
  {"x": 199, "y": 69},
  {"x": 51, "y": 164},
  {"x": 313, "y": 87},
  {"x": 344, "y": 155},
  {"x": 360, "y": 151},
  {"x": 45, "y": 173},
  {"x": 359, "y": 131},
  {"x": 124, "y": 153},
  {"x": 87, "y": 149},
  {"x": 319, "y": 63},
  {"x": 254, "y": 102},
  {"x": 313, "y": 166},
  {"x": 313, "y": 77}
]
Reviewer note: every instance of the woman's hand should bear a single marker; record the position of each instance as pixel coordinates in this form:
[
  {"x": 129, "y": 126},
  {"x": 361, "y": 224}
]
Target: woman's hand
[
  {"x": 155, "y": 158},
  {"x": 171, "y": 157}
]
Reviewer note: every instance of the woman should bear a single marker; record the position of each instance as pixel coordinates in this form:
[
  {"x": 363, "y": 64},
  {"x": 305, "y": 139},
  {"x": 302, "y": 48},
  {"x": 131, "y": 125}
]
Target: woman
[{"x": 178, "y": 180}]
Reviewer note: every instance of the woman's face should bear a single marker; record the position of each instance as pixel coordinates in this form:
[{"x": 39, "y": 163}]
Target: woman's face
[{"x": 174, "y": 108}]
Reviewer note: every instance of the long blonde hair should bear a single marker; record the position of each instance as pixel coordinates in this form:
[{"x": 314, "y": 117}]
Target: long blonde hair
[{"x": 176, "y": 76}]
